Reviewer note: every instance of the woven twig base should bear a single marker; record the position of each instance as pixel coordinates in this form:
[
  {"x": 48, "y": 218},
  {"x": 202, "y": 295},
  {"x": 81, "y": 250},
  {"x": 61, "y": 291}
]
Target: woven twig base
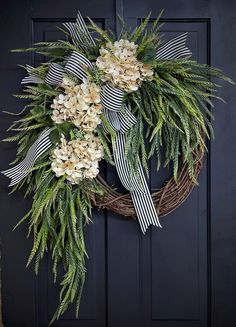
[{"x": 166, "y": 200}]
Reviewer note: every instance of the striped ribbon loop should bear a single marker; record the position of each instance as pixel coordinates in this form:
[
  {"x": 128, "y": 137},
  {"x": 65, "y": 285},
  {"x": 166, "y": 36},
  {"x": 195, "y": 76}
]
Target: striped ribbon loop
[
  {"x": 20, "y": 171},
  {"x": 79, "y": 33},
  {"x": 78, "y": 65},
  {"x": 55, "y": 74},
  {"x": 174, "y": 49},
  {"x": 112, "y": 98}
]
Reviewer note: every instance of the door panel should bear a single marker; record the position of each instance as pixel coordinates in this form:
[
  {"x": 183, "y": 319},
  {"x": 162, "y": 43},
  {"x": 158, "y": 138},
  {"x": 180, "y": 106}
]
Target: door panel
[{"x": 181, "y": 275}]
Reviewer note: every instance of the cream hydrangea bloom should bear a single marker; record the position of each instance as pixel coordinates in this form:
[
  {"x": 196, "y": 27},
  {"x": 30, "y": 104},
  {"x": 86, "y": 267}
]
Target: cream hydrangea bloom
[
  {"x": 80, "y": 104},
  {"x": 77, "y": 159},
  {"x": 120, "y": 66}
]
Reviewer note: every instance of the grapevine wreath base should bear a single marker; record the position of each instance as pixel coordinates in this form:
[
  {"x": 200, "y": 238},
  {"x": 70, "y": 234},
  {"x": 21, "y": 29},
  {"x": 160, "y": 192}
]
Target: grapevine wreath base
[{"x": 166, "y": 200}]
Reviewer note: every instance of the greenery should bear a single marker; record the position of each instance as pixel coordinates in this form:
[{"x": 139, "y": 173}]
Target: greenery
[
  {"x": 174, "y": 110},
  {"x": 173, "y": 117}
]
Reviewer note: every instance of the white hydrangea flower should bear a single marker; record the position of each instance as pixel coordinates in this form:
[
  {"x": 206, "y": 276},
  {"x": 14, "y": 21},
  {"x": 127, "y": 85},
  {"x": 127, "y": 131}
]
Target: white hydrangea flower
[
  {"x": 77, "y": 159},
  {"x": 80, "y": 104},
  {"x": 120, "y": 66}
]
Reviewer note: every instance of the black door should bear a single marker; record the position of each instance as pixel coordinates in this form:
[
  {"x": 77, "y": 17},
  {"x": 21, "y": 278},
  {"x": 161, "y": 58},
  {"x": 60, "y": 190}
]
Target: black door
[{"x": 180, "y": 276}]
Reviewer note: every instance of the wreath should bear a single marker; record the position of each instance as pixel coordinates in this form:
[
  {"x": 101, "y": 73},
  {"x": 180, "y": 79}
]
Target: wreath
[{"x": 123, "y": 101}]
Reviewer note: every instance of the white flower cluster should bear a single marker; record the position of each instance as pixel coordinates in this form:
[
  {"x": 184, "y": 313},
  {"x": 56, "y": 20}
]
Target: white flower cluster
[
  {"x": 77, "y": 159},
  {"x": 120, "y": 66},
  {"x": 80, "y": 104}
]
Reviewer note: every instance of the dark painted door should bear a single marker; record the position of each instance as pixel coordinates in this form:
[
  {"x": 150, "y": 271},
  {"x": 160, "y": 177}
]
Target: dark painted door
[{"x": 180, "y": 276}]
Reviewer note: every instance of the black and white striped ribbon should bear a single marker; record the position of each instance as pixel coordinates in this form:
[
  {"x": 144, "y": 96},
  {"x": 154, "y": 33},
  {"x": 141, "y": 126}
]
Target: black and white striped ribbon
[
  {"x": 79, "y": 33},
  {"x": 142, "y": 200},
  {"x": 32, "y": 78},
  {"x": 112, "y": 98},
  {"x": 127, "y": 119},
  {"x": 113, "y": 119},
  {"x": 174, "y": 49},
  {"x": 20, "y": 171},
  {"x": 116, "y": 112},
  {"x": 78, "y": 65},
  {"x": 120, "y": 121},
  {"x": 143, "y": 203},
  {"x": 55, "y": 74}
]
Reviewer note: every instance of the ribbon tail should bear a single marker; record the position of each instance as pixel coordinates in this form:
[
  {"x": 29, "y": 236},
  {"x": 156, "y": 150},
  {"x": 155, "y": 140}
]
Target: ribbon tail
[
  {"x": 144, "y": 206},
  {"x": 136, "y": 184},
  {"x": 20, "y": 171}
]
